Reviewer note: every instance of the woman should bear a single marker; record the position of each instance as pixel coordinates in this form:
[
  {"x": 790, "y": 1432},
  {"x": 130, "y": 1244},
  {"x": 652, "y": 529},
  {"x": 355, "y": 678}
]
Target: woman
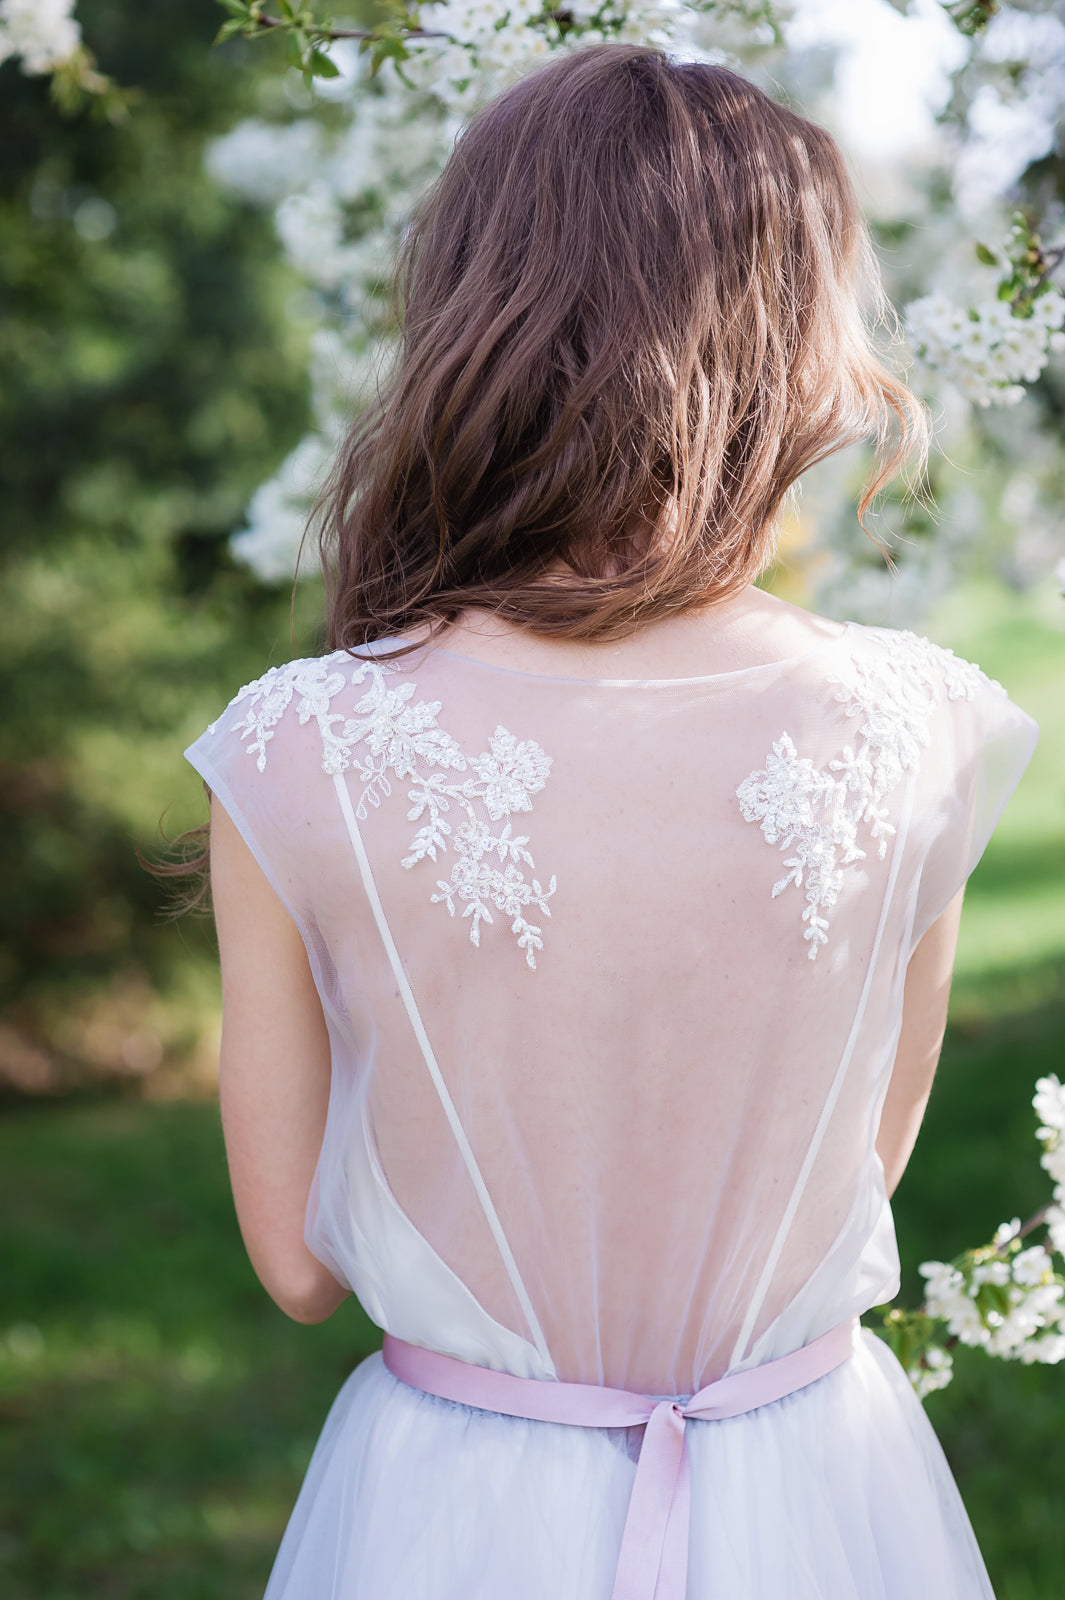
[{"x": 586, "y": 914}]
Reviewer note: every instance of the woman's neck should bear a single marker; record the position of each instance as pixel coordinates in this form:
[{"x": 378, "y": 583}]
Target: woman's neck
[{"x": 748, "y": 628}]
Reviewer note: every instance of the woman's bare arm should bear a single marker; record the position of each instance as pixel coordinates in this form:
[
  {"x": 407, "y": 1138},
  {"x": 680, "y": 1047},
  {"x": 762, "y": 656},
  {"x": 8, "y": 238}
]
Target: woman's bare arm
[
  {"x": 924, "y": 1021},
  {"x": 274, "y": 1076}
]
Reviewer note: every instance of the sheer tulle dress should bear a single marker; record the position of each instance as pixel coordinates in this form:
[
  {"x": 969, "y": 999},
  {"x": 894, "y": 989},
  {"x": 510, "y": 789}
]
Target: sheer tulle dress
[{"x": 613, "y": 973}]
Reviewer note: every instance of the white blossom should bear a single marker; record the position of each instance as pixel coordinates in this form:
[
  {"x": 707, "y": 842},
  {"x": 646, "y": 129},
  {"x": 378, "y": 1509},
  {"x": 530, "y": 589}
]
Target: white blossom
[
  {"x": 310, "y": 226},
  {"x": 1049, "y": 1349},
  {"x": 1005, "y": 1232},
  {"x": 1048, "y": 1102},
  {"x": 1016, "y": 85},
  {"x": 342, "y": 197},
  {"x": 986, "y": 350},
  {"x": 1020, "y": 1322},
  {"x": 42, "y": 33},
  {"x": 265, "y": 161},
  {"x": 947, "y": 1299},
  {"x": 277, "y": 515},
  {"x": 1005, "y": 1299},
  {"x": 1027, "y": 1317},
  {"x": 996, "y": 1272},
  {"x": 342, "y": 182},
  {"x": 1053, "y": 1161},
  {"x": 935, "y": 1371}
]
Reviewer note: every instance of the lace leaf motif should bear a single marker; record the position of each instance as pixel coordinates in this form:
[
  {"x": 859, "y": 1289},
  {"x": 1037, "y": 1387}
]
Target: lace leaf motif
[
  {"x": 391, "y": 736},
  {"x": 818, "y": 813}
]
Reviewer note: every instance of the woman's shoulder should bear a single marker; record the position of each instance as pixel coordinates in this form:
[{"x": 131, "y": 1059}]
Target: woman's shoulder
[
  {"x": 896, "y": 655},
  {"x": 902, "y": 664},
  {"x": 917, "y": 706},
  {"x": 309, "y": 677},
  {"x": 297, "y": 692}
]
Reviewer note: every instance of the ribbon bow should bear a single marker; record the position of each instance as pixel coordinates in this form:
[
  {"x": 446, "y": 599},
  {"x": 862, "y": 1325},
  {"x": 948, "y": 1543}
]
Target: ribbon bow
[{"x": 653, "y": 1562}]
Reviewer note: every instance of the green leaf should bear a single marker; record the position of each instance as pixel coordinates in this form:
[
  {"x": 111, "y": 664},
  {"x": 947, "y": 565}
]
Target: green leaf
[
  {"x": 230, "y": 29},
  {"x": 988, "y": 257},
  {"x": 385, "y": 44},
  {"x": 320, "y": 65},
  {"x": 236, "y": 8}
]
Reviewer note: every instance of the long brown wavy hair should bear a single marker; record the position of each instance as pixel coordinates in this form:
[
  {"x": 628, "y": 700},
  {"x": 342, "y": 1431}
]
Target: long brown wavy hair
[{"x": 631, "y": 319}]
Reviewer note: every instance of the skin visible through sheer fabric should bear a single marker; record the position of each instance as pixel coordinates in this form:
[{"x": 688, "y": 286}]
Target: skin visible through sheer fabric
[{"x": 634, "y": 1120}]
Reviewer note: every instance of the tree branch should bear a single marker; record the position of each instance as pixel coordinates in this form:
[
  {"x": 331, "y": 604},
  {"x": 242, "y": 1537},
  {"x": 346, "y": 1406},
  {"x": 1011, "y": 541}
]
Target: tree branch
[
  {"x": 332, "y": 34},
  {"x": 1036, "y": 1220}
]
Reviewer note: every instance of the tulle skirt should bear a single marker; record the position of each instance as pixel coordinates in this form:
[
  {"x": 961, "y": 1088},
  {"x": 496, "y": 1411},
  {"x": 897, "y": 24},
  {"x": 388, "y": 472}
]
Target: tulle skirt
[{"x": 838, "y": 1492}]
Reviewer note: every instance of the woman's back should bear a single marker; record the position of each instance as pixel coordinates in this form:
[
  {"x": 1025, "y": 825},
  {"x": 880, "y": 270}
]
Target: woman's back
[
  {"x": 613, "y": 970},
  {"x": 611, "y": 961}
]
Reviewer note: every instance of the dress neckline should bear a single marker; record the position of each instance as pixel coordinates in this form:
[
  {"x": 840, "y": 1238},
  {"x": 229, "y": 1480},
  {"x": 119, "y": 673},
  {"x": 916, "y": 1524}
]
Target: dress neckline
[{"x": 825, "y": 646}]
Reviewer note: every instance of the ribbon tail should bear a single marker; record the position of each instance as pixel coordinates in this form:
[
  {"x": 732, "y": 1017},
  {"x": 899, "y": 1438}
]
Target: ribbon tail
[
  {"x": 673, "y": 1573},
  {"x": 653, "y": 1562}
]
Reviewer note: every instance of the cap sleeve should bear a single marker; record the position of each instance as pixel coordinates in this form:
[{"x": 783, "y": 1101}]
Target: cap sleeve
[
  {"x": 259, "y": 759},
  {"x": 979, "y": 745}
]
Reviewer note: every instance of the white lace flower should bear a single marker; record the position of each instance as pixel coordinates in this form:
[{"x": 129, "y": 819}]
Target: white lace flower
[
  {"x": 817, "y": 813},
  {"x": 785, "y": 795},
  {"x": 271, "y": 695},
  {"x": 394, "y": 736},
  {"x": 510, "y": 772}
]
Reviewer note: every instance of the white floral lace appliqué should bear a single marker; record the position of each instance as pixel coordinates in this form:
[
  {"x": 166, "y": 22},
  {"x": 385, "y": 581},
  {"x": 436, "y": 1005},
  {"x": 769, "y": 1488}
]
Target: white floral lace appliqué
[
  {"x": 819, "y": 814},
  {"x": 393, "y": 736}
]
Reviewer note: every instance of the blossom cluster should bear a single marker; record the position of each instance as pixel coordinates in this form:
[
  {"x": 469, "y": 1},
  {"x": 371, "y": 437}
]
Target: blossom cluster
[
  {"x": 1007, "y": 1298},
  {"x": 489, "y": 43},
  {"x": 1049, "y": 1105},
  {"x": 41, "y": 33},
  {"x": 989, "y": 350},
  {"x": 342, "y": 187},
  {"x": 340, "y": 195}
]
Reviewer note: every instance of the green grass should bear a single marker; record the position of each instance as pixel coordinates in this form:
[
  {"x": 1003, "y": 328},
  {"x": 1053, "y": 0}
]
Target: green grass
[
  {"x": 157, "y": 1413},
  {"x": 1013, "y": 929}
]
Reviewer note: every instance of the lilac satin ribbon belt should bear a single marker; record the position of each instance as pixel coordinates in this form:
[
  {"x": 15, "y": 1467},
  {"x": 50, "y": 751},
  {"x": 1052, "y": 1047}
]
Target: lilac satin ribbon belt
[{"x": 653, "y": 1563}]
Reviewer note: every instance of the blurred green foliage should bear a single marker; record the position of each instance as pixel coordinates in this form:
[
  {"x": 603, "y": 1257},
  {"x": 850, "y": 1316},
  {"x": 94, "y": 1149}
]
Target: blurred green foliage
[
  {"x": 156, "y": 1410},
  {"x": 1011, "y": 953},
  {"x": 151, "y": 382}
]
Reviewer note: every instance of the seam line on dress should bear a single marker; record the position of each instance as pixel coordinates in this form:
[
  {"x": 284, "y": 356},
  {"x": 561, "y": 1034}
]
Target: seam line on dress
[
  {"x": 429, "y": 1056},
  {"x": 834, "y": 1089}
]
